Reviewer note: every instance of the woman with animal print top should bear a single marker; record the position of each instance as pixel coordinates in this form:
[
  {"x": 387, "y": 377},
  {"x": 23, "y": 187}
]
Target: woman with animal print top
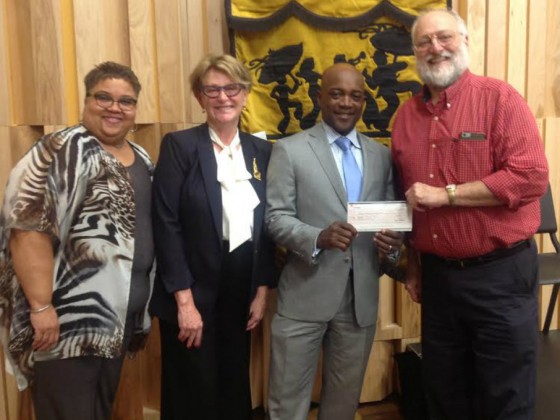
[{"x": 74, "y": 267}]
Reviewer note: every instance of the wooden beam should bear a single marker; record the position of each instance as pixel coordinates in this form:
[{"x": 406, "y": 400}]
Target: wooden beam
[
  {"x": 552, "y": 62},
  {"x": 143, "y": 58},
  {"x": 517, "y": 45},
  {"x": 476, "y": 25},
  {"x": 172, "y": 78},
  {"x": 496, "y": 47},
  {"x": 5, "y": 86}
]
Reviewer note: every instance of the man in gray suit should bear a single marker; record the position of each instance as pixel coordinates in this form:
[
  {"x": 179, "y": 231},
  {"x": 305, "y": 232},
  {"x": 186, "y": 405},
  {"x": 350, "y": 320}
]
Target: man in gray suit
[{"x": 328, "y": 291}]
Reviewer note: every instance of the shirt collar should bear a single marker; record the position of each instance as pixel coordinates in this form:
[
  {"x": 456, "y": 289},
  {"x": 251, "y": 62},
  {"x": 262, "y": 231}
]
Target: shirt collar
[
  {"x": 333, "y": 135},
  {"x": 233, "y": 146}
]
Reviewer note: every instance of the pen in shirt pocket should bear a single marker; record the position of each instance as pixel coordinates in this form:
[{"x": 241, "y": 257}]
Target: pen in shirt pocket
[{"x": 471, "y": 135}]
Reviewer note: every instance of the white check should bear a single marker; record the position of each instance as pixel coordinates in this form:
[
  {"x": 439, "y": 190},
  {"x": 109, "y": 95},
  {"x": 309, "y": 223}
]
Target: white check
[{"x": 372, "y": 216}]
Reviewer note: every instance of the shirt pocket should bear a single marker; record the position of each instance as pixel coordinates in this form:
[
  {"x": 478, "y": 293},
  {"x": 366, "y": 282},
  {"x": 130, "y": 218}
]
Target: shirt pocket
[{"x": 468, "y": 160}]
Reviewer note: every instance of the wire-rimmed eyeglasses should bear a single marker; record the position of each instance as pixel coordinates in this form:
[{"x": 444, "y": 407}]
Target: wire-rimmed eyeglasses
[
  {"x": 126, "y": 103},
  {"x": 213, "y": 91},
  {"x": 443, "y": 38}
]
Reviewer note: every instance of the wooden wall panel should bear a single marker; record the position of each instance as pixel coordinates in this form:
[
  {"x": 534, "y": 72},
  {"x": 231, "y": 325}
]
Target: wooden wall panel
[
  {"x": 476, "y": 25},
  {"x": 552, "y": 148},
  {"x": 15, "y": 141},
  {"x": 45, "y": 25},
  {"x": 536, "y": 44},
  {"x": 47, "y": 47},
  {"x": 218, "y": 40},
  {"x": 143, "y": 57},
  {"x": 18, "y": 46},
  {"x": 172, "y": 77},
  {"x": 551, "y": 134},
  {"x": 387, "y": 326},
  {"x": 100, "y": 34},
  {"x": 496, "y": 46},
  {"x": 552, "y": 62},
  {"x": 5, "y": 86},
  {"x": 36, "y": 65},
  {"x": 197, "y": 41},
  {"x": 6, "y": 162},
  {"x": 517, "y": 45},
  {"x": 378, "y": 380}
]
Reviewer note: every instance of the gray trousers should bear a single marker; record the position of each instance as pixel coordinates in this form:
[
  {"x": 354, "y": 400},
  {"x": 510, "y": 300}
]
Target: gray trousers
[{"x": 296, "y": 347}]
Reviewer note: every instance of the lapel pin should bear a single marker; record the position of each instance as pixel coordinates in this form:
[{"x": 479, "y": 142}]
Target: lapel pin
[{"x": 256, "y": 172}]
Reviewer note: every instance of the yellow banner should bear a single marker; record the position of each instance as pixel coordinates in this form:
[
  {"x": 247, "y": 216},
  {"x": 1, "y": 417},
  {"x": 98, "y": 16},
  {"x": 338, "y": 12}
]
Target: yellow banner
[
  {"x": 256, "y": 9},
  {"x": 287, "y": 60}
]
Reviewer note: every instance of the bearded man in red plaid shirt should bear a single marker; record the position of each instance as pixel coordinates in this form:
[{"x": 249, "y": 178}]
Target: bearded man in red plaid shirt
[{"x": 470, "y": 160}]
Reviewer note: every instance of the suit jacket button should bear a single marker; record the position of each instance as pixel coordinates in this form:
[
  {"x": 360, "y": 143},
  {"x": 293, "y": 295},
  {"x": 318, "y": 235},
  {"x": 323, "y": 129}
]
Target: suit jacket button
[{"x": 347, "y": 259}]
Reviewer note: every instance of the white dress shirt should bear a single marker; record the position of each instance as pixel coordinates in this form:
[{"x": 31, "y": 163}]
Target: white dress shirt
[{"x": 239, "y": 198}]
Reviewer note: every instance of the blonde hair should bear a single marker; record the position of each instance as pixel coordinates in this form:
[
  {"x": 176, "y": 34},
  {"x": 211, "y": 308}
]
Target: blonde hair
[{"x": 225, "y": 63}]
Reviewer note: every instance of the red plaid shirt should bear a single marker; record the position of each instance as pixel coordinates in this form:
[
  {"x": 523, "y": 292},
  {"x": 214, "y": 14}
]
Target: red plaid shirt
[{"x": 481, "y": 129}]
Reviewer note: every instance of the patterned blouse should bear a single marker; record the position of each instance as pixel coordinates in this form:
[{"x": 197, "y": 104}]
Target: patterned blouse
[{"x": 70, "y": 188}]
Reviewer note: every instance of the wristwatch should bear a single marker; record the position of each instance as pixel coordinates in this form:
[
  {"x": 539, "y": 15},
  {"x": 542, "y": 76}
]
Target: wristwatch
[{"x": 451, "y": 188}]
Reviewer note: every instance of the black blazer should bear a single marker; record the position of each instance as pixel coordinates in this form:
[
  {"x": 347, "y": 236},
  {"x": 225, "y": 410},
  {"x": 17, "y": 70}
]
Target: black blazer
[{"x": 187, "y": 220}]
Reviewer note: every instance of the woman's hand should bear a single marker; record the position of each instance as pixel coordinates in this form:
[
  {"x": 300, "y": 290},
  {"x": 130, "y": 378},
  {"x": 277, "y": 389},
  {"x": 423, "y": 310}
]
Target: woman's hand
[
  {"x": 189, "y": 319},
  {"x": 256, "y": 310},
  {"x": 46, "y": 327}
]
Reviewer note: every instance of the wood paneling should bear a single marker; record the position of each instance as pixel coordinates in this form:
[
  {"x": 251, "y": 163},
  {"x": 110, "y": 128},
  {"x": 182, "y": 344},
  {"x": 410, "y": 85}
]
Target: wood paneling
[
  {"x": 536, "y": 44},
  {"x": 552, "y": 59},
  {"x": 517, "y": 45},
  {"x": 101, "y": 33},
  {"x": 172, "y": 77},
  {"x": 198, "y": 46},
  {"x": 496, "y": 47},
  {"x": 143, "y": 57},
  {"x": 378, "y": 380},
  {"x": 551, "y": 135},
  {"x": 5, "y": 86},
  {"x": 47, "y": 47},
  {"x": 476, "y": 25}
]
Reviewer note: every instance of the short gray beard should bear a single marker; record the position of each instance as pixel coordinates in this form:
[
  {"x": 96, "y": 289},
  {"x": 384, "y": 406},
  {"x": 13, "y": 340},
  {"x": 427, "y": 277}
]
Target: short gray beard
[{"x": 444, "y": 76}]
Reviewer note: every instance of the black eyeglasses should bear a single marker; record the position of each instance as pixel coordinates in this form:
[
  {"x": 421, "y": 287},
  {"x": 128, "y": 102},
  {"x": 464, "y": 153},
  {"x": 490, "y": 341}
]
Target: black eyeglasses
[
  {"x": 126, "y": 103},
  {"x": 213, "y": 91}
]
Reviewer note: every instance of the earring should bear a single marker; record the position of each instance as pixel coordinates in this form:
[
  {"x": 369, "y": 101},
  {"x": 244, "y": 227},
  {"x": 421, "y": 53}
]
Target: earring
[{"x": 134, "y": 129}]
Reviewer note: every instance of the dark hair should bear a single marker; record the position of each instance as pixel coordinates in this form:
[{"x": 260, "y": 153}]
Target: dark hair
[{"x": 111, "y": 70}]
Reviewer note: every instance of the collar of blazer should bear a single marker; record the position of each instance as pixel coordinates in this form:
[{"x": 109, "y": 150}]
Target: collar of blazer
[
  {"x": 317, "y": 139},
  {"x": 209, "y": 171},
  {"x": 370, "y": 154}
]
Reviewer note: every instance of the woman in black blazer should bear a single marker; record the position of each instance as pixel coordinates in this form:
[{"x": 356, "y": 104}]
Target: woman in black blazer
[{"x": 214, "y": 262}]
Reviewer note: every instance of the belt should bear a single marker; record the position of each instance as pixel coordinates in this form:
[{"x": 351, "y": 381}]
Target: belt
[{"x": 495, "y": 255}]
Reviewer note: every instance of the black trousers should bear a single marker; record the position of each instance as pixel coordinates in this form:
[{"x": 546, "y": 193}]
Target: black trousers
[
  {"x": 479, "y": 337},
  {"x": 212, "y": 381}
]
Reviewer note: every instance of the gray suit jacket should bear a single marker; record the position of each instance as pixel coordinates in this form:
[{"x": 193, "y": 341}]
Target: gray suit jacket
[{"x": 305, "y": 194}]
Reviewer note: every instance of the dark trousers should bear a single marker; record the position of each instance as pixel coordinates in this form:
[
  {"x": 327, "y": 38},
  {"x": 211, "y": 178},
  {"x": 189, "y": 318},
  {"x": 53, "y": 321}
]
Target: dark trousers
[
  {"x": 479, "y": 337},
  {"x": 212, "y": 381},
  {"x": 79, "y": 387}
]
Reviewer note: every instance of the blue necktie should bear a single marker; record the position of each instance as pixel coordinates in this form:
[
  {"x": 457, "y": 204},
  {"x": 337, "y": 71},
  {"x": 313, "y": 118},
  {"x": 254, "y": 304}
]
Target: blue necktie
[{"x": 352, "y": 174}]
